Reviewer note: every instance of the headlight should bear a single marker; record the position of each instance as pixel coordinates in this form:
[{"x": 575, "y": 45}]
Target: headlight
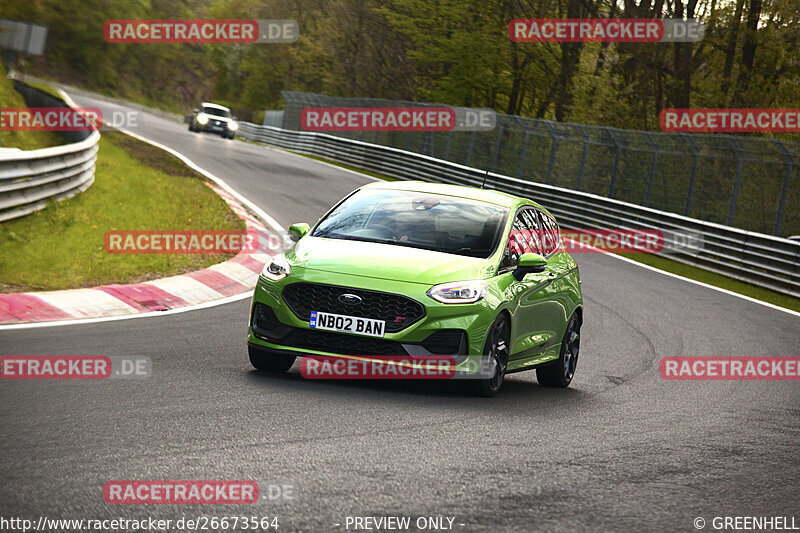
[
  {"x": 232, "y": 126},
  {"x": 459, "y": 292},
  {"x": 202, "y": 118},
  {"x": 277, "y": 268}
]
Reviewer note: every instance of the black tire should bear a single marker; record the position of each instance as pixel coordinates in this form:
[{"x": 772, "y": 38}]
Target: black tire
[
  {"x": 497, "y": 349},
  {"x": 191, "y": 126},
  {"x": 560, "y": 372},
  {"x": 267, "y": 362}
]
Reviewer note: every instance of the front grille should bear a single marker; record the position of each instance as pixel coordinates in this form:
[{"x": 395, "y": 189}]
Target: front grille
[
  {"x": 397, "y": 311},
  {"x": 341, "y": 344},
  {"x": 266, "y": 326}
]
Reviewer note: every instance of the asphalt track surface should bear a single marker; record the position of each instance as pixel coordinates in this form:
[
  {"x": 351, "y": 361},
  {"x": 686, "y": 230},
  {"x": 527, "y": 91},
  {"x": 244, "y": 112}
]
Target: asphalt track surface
[{"x": 621, "y": 449}]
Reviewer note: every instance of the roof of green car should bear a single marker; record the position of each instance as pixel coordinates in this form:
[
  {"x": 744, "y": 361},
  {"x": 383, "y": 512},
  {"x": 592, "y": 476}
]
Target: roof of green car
[{"x": 484, "y": 195}]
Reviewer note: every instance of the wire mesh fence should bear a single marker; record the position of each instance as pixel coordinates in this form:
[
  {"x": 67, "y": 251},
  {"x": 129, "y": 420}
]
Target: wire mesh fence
[
  {"x": 738, "y": 181},
  {"x": 273, "y": 118}
]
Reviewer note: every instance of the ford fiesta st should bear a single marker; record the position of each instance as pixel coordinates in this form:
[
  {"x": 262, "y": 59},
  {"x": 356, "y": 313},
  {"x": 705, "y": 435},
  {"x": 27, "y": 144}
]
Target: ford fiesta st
[
  {"x": 414, "y": 268},
  {"x": 213, "y": 118}
]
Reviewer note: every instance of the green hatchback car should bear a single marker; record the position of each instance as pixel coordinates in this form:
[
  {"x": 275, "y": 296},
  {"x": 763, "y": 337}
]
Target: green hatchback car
[{"x": 421, "y": 269}]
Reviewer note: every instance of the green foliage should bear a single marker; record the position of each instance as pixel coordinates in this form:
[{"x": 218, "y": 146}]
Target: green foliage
[
  {"x": 449, "y": 51},
  {"x": 136, "y": 187},
  {"x": 24, "y": 140}
]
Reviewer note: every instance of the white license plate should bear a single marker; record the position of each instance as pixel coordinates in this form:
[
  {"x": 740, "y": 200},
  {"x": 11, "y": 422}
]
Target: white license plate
[{"x": 347, "y": 324}]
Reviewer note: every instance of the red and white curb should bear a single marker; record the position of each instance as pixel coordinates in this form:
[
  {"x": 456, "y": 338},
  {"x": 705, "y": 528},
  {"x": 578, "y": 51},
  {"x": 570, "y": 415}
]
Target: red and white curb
[{"x": 224, "y": 280}]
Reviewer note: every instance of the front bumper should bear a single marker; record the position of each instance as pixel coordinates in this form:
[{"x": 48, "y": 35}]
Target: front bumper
[
  {"x": 211, "y": 127},
  {"x": 445, "y": 329}
]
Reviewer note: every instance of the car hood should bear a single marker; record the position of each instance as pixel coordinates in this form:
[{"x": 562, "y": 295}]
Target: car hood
[{"x": 386, "y": 261}]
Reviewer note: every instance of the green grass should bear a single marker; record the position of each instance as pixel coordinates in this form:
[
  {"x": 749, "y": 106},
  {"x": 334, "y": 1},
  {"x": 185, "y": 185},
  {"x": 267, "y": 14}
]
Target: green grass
[
  {"x": 657, "y": 261},
  {"x": 718, "y": 280},
  {"x": 24, "y": 140},
  {"x": 137, "y": 187}
]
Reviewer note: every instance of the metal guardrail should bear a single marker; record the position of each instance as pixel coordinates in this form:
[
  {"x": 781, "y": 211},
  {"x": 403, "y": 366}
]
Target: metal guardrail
[
  {"x": 29, "y": 178},
  {"x": 742, "y": 181},
  {"x": 762, "y": 260}
]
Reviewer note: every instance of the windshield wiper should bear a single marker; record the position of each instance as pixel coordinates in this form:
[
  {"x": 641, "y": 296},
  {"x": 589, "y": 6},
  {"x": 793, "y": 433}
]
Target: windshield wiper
[{"x": 352, "y": 238}]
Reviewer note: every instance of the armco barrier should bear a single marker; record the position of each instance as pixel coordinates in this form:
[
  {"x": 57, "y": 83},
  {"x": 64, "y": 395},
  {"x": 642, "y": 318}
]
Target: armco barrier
[
  {"x": 762, "y": 260},
  {"x": 29, "y": 178},
  {"x": 743, "y": 181}
]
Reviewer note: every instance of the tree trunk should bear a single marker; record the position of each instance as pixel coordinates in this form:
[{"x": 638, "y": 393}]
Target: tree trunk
[
  {"x": 730, "y": 50},
  {"x": 748, "y": 51},
  {"x": 570, "y": 56},
  {"x": 682, "y": 60}
]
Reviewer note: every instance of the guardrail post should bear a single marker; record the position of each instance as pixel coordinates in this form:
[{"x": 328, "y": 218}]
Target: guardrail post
[
  {"x": 787, "y": 178},
  {"x": 447, "y": 145},
  {"x": 392, "y": 139},
  {"x": 427, "y": 144},
  {"x": 409, "y": 139},
  {"x": 469, "y": 148},
  {"x": 651, "y": 175},
  {"x": 522, "y": 155},
  {"x": 695, "y": 160},
  {"x": 497, "y": 141},
  {"x": 582, "y": 166},
  {"x": 737, "y": 180},
  {"x": 553, "y": 148},
  {"x": 613, "y": 185}
]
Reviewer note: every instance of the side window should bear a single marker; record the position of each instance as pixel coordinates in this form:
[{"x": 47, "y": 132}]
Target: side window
[
  {"x": 516, "y": 241},
  {"x": 524, "y": 238},
  {"x": 551, "y": 236},
  {"x": 532, "y": 222}
]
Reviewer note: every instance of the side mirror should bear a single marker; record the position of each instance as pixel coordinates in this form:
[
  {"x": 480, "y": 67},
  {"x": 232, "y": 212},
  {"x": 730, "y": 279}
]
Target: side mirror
[
  {"x": 298, "y": 231},
  {"x": 529, "y": 264}
]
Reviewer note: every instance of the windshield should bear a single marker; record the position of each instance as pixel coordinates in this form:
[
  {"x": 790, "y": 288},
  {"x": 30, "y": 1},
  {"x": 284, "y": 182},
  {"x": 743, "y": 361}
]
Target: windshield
[
  {"x": 216, "y": 112},
  {"x": 418, "y": 220}
]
